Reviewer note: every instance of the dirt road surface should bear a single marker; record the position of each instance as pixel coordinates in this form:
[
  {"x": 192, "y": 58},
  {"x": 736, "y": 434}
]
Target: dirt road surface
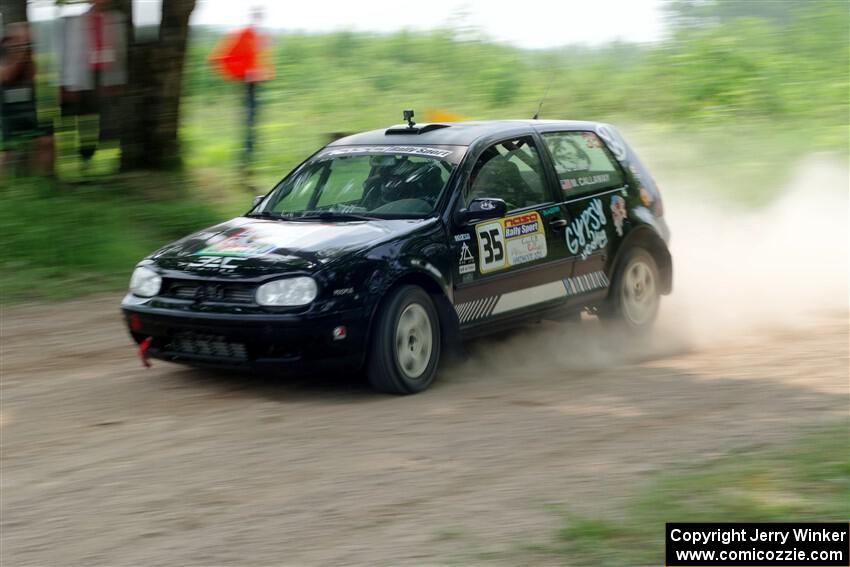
[{"x": 106, "y": 463}]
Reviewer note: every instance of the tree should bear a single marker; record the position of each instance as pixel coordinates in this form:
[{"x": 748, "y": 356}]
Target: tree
[
  {"x": 150, "y": 104},
  {"x": 13, "y": 11}
]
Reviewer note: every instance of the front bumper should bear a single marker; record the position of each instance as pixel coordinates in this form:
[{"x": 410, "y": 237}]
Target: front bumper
[{"x": 281, "y": 342}]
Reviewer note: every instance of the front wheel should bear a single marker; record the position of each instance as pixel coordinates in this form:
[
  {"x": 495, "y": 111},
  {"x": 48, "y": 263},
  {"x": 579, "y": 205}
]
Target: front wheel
[
  {"x": 634, "y": 298},
  {"x": 405, "y": 346}
]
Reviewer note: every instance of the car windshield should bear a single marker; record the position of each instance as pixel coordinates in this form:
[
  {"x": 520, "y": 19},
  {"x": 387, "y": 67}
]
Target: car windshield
[{"x": 359, "y": 182}]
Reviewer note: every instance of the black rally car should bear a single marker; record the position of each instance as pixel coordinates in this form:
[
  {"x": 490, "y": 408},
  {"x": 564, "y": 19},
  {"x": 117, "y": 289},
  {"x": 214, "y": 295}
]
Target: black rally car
[{"x": 384, "y": 248}]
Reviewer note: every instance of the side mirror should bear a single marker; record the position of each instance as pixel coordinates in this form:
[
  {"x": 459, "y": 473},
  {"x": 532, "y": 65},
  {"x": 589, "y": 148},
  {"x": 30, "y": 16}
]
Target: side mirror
[
  {"x": 484, "y": 208},
  {"x": 257, "y": 200}
]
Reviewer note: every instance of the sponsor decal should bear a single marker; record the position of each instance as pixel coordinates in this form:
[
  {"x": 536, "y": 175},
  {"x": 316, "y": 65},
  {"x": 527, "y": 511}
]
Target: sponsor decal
[
  {"x": 591, "y": 140},
  {"x": 415, "y": 150},
  {"x": 511, "y": 241},
  {"x": 241, "y": 243},
  {"x": 645, "y": 197},
  {"x": 586, "y": 282},
  {"x": 527, "y": 249},
  {"x": 466, "y": 262},
  {"x": 463, "y": 236},
  {"x": 585, "y": 181},
  {"x": 613, "y": 140},
  {"x": 520, "y": 226},
  {"x": 618, "y": 213},
  {"x": 550, "y": 211},
  {"x": 215, "y": 264},
  {"x": 586, "y": 232},
  {"x": 487, "y": 205}
]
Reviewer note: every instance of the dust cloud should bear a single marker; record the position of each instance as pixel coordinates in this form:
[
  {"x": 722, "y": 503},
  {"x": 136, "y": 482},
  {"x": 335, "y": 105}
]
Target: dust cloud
[{"x": 739, "y": 274}]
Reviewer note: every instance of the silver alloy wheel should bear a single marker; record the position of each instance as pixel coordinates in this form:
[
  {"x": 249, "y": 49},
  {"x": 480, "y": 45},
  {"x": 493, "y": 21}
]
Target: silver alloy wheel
[
  {"x": 413, "y": 341},
  {"x": 638, "y": 293}
]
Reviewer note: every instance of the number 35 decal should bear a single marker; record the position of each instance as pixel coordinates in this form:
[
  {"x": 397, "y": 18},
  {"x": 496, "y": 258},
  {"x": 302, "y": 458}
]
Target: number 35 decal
[
  {"x": 511, "y": 241},
  {"x": 491, "y": 246}
]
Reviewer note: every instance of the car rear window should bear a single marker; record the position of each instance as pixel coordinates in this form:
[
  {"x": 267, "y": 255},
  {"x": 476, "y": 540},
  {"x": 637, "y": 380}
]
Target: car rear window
[{"x": 582, "y": 162}]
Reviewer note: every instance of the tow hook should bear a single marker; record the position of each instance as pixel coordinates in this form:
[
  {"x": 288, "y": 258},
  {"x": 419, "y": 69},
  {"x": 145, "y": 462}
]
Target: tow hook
[{"x": 143, "y": 351}]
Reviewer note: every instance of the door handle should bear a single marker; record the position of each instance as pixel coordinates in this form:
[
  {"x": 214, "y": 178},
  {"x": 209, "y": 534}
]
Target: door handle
[{"x": 558, "y": 223}]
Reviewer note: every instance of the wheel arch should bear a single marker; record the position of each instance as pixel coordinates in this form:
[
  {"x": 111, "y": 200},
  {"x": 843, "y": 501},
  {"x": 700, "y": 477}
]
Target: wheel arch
[
  {"x": 449, "y": 322},
  {"x": 646, "y": 238}
]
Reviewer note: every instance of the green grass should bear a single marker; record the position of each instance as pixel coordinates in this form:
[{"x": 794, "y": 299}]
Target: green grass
[
  {"x": 69, "y": 240},
  {"x": 808, "y": 480}
]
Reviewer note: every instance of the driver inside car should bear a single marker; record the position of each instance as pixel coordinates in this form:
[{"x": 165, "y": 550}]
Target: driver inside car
[{"x": 399, "y": 185}]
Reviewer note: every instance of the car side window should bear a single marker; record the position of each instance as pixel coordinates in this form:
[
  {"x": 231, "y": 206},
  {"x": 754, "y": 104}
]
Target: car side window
[
  {"x": 582, "y": 162},
  {"x": 510, "y": 170}
]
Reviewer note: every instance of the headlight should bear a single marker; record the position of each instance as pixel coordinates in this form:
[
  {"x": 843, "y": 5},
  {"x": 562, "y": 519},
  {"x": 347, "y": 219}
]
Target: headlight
[
  {"x": 145, "y": 282},
  {"x": 288, "y": 292}
]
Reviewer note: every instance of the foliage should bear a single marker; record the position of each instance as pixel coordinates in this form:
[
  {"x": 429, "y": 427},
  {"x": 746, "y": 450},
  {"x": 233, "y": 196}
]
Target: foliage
[
  {"x": 785, "y": 64},
  {"x": 744, "y": 87},
  {"x": 79, "y": 239},
  {"x": 806, "y": 481}
]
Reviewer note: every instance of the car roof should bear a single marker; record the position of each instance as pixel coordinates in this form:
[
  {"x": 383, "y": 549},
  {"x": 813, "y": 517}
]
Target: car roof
[{"x": 455, "y": 133}]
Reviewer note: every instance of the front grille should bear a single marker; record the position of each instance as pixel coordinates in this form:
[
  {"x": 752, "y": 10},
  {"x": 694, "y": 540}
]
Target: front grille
[
  {"x": 208, "y": 292},
  {"x": 198, "y": 344}
]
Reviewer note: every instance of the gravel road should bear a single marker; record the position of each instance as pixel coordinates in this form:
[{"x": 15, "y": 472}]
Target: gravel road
[{"x": 107, "y": 463}]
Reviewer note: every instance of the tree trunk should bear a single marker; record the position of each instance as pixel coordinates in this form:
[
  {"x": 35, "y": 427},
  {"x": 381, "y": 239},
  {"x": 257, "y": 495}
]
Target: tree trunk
[
  {"x": 135, "y": 106},
  {"x": 152, "y": 104},
  {"x": 169, "y": 59},
  {"x": 13, "y": 11}
]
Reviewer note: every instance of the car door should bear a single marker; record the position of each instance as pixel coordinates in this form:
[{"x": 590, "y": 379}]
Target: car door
[
  {"x": 508, "y": 265},
  {"x": 593, "y": 190}
]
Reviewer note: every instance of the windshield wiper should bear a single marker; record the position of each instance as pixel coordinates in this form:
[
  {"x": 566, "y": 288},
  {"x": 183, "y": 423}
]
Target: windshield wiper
[
  {"x": 334, "y": 215},
  {"x": 269, "y": 215}
]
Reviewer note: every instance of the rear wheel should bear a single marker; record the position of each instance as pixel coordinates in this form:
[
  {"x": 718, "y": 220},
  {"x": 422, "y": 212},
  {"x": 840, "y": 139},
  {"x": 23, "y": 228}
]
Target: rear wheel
[
  {"x": 634, "y": 298},
  {"x": 405, "y": 345}
]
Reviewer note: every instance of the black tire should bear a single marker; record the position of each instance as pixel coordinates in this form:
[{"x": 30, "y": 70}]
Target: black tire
[
  {"x": 391, "y": 367},
  {"x": 634, "y": 297}
]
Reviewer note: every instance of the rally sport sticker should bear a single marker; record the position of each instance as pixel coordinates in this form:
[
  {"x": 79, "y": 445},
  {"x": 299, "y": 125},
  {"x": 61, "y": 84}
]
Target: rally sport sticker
[{"x": 510, "y": 241}]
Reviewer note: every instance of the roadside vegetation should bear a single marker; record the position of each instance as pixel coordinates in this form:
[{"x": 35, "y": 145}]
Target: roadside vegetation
[
  {"x": 808, "y": 480},
  {"x": 799, "y": 480},
  {"x": 67, "y": 241},
  {"x": 737, "y": 93}
]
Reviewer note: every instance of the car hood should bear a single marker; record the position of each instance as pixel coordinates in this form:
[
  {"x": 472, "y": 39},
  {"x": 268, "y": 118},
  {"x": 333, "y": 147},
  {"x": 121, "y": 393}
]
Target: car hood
[{"x": 248, "y": 247}]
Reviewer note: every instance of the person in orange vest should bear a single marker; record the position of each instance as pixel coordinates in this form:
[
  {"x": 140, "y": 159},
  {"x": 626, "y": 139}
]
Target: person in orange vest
[{"x": 244, "y": 56}]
